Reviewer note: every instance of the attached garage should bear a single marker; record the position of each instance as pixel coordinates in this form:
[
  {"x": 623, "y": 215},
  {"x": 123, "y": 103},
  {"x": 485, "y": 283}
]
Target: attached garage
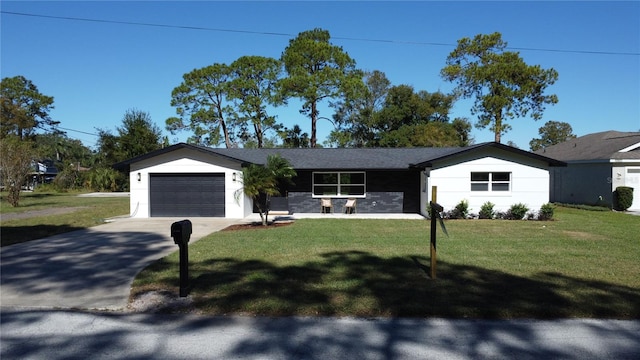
[{"x": 201, "y": 195}]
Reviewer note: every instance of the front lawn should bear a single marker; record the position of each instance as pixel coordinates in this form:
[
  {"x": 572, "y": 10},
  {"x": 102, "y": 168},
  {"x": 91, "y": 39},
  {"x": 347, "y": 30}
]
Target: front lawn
[
  {"x": 45, "y": 214},
  {"x": 583, "y": 264}
]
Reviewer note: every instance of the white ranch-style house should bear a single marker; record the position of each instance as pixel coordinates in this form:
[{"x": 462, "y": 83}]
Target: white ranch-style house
[{"x": 188, "y": 180}]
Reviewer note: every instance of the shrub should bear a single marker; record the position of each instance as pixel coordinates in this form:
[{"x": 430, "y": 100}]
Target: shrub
[
  {"x": 517, "y": 211},
  {"x": 461, "y": 211},
  {"x": 623, "y": 198},
  {"x": 486, "y": 211},
  {"x": 546, "y": 212}
]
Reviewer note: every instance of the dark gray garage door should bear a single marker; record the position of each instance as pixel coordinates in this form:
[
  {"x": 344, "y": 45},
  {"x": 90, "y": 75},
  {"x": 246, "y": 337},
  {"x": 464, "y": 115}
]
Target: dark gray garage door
[{"x": 199, "y": 195}]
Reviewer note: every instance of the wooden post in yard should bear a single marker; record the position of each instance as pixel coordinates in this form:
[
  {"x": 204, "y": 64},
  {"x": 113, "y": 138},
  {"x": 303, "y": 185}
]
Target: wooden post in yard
[{"x": 434, "y": 198}]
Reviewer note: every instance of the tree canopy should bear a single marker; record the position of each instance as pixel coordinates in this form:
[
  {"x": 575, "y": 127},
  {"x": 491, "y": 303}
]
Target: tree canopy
[
  {"x": 317, "y": 70},
  {"x": 503, "y": 85},
  {"x": 397, "y": 116},
  {"x": 23, "y": 108},
  {"x": 553, "y": 132},
  {"x": 15, "y": 165},
  {"x": 253, "y": 86},
  {"x": 200, "y": 102},
  {"x": 136, "y": 136}
]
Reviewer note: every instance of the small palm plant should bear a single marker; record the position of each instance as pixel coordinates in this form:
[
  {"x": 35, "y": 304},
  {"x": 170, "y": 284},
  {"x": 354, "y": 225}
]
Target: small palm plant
[{"x": 260, "y": 182}]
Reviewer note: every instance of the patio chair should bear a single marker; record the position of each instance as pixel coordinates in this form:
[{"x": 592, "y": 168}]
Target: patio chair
[
  {"x": 326, "y": 204},
  {"x": 349, "y": 207}
]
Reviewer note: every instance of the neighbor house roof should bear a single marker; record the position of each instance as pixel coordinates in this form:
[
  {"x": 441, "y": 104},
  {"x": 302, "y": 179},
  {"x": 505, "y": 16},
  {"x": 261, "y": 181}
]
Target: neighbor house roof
[
  {"x": 343, "y": 158},
  {"x": 605, "y": 145}
]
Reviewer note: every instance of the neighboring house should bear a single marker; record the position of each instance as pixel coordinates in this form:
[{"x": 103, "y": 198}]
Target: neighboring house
[
  {"x": 188, "y": 180},
  {"x": 596, "y": 165}
]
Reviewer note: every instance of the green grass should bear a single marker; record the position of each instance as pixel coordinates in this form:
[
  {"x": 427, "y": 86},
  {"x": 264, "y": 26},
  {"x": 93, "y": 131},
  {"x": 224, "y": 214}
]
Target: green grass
[
  {"x": 583, "y": 264},
  {"x": 90, "y": 211}
]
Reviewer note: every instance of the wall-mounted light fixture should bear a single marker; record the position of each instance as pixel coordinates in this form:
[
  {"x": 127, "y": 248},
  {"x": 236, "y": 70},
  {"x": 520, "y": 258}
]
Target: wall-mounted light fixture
[
  {"x": 139, "y": 177},
  {"x": 233, "y": 177}
]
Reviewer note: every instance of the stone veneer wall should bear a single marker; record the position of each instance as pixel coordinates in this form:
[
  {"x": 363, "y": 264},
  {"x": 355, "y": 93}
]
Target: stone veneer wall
[{"x": 377, "y": 202}]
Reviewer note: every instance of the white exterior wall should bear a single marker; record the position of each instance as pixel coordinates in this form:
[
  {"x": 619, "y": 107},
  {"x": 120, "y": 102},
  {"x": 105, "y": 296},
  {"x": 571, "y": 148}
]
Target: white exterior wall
[
  {"x": 529, "y": 183},
  {"x": 627, "y": 174},
  {"x": 184, "y": 161}
]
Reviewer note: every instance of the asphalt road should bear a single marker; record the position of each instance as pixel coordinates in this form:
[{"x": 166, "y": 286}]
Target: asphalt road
[{"x": 59, "y": 334}]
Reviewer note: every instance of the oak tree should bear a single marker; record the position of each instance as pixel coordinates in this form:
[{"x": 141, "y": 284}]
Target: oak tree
[
  {"x": 553, "y": 132},
  {"x": 23, "y": 108}
]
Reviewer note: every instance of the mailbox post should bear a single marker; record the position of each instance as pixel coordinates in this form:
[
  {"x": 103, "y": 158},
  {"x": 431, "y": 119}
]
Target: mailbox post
[{"x": 181, "y": 234}]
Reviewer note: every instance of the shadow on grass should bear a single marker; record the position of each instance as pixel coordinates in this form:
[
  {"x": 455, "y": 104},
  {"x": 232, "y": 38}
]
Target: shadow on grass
[
  {"x": 19, "y": 234},
  {"x": 362, "y": 284}
]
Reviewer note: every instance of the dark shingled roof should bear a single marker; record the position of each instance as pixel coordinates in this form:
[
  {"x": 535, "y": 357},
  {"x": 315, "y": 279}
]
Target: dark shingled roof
[
  {"x": 342, "y": 158},
  {"x": 598, "y": 146}
]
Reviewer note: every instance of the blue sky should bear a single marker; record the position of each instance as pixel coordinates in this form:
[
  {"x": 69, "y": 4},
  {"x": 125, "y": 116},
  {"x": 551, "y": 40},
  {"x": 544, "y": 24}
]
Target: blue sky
[{"x": 96, "y": 71}]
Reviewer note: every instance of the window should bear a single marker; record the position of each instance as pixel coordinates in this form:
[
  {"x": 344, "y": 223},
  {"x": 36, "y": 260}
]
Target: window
[
  {"x": 490, "y": 181},
  {"x": 339, "y": 184}
]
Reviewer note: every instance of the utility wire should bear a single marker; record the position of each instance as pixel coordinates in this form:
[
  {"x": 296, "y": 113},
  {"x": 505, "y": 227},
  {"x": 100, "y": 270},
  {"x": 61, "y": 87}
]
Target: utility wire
[
  {"x": 292, "y": 35},
  {"x": 78, "y": 131}
]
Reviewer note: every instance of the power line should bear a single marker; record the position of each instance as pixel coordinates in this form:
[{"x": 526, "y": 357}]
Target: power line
[
  {"x": 292, "y": 35},
  {"x": 78, "y": 131}
]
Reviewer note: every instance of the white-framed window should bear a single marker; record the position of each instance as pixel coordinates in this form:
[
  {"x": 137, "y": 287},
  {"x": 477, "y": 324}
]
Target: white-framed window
[
  {"x": 339, "y": 184},
  {"x": 491, "y": 181}
]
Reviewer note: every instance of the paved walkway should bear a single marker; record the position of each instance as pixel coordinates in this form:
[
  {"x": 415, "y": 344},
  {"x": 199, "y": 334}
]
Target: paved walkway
[{"x": 57, "y": 335}]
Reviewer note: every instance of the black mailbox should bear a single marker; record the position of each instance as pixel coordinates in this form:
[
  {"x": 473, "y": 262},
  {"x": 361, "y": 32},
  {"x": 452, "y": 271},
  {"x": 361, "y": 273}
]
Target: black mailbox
[{"x": 181, "y": 231}]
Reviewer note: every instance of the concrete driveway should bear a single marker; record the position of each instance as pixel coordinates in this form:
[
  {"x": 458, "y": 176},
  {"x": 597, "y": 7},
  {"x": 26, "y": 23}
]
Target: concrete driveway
[{"x": 91, "y": 268}]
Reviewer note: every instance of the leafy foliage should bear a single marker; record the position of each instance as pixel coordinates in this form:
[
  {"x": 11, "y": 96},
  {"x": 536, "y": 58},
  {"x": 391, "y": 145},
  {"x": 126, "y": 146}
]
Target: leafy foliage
[
  {"x": 546, "y": 212},
  {"x": 401, "y": 118},
  {"x": 105, "y": 179},
  {"x": 623, "y": 198},
  {"x": 253, "y": 86},
  {"x": 486, "y": 211},
  {"x": 23, "y": 108},
  {"x": 261, "y": 182},
  {"x": 317, "y": 70},
  {"x": 200, "y": 102},
  {"x": 517, "y": 212},
  {"x": 460, "y": 211},
  {"x": 553, "y": 132},
  {"x": 16, "y": 158},
  {"x": 503, "y": 85},
  {"x": 295, "y": 138},
  {"x": 138, "y": 135}
]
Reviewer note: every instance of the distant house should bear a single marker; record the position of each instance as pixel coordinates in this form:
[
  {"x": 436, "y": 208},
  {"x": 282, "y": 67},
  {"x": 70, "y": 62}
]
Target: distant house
[
  {"x": 596, "y": 165},
  {"x": 187, "y": 180}
]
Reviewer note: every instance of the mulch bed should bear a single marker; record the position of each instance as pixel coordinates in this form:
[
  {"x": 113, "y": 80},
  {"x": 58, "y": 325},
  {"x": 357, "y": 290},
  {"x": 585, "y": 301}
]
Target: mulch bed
[{"x": 257, "y": 226}]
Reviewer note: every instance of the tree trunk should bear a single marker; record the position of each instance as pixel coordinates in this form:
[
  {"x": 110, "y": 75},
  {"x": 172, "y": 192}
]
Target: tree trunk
[
  {"x": 314, "y": 118},
  {"x": 227, "y": 139},
  {"x": 497, "y": 128}
]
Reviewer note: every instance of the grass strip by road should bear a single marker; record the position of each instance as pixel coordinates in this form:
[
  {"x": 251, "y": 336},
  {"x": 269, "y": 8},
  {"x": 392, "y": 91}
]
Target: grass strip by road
[
  {"x": 583, "y": 264},
  {"x": 86, "y": 212}
]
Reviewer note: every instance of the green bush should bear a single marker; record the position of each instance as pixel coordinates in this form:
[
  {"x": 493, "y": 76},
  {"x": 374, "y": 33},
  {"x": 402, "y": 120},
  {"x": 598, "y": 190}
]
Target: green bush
[
  {"x": 546, "y": 212},
  {"x": 623, "y": 198},
  {"x": 517, "y": 211},
  {"x": 486, "y": 210},
  {"x": 461, "y": 211}
]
